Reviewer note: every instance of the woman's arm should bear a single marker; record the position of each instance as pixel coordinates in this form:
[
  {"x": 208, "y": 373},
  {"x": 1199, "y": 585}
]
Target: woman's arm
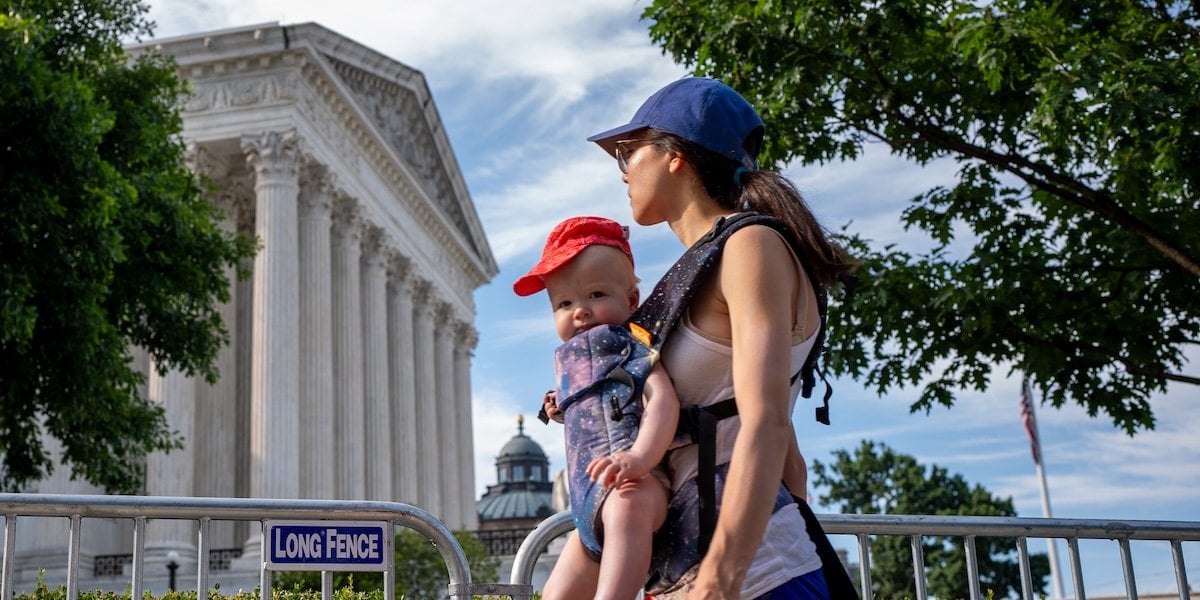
[
  {"x": 655, "y": 432},
  {"x": 757, "y": 280}
]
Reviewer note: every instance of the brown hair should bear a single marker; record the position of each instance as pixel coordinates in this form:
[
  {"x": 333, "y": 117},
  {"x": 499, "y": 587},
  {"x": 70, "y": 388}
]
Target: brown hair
[{"x": 735, "y": 188}]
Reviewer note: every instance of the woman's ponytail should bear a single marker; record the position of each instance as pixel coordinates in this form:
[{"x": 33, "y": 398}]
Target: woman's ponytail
[{"x": 736, "y": 188}]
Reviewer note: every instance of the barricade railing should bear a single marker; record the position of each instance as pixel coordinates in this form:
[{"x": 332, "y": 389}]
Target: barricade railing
[
  {"x": 915, "y": 527},
  {"x": 76, "y": 508},
  {"x": 202, "y": 511}
]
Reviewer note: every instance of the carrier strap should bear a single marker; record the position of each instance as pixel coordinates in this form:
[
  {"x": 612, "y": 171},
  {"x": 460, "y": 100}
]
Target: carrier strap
[
  {"x": 661, "y": 311},
  {"x": 700, "y": 424}
]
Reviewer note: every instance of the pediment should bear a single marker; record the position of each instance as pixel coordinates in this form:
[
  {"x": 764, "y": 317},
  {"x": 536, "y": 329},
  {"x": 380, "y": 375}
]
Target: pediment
[{"x": 398, "y": 114}]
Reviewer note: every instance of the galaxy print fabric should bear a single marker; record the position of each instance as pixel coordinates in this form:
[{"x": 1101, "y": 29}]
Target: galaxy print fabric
[
  {"x": 601, "y": 373},
  {"x": 676, "y": 544}
]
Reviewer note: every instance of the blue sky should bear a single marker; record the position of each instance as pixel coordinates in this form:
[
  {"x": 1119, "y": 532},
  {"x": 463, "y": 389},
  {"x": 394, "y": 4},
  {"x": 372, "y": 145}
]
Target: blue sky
[{"x": 520, "y": 84}]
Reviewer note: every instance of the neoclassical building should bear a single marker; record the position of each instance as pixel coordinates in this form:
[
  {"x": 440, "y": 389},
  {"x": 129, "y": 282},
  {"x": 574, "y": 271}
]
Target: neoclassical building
[{"x": 348, "y": 375}]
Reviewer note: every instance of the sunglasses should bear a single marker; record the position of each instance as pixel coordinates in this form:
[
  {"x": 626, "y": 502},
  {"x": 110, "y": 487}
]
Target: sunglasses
[{"x": 625, "y": 150}]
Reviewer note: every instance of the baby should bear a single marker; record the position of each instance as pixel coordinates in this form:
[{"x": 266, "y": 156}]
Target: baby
[{"x": 618, "y": 405}]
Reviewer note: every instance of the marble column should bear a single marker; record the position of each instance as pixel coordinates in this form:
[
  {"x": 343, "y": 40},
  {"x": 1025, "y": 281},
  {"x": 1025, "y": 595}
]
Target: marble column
[
  {"x": 172, "y": 473},
  {"x": 347, "y": 353},
  {"x": 466, "y": 339},
  {"x": 375, "y": 369},
  {"x": 401, "y": 385},
  {"x": 244, "y": 343},
  {"x": 274, "y": 420},
  {"x": 447, "y": 413},
  {"x": 429, "y": 496},
  {"x": 213, "y": 444},
  {"x": 216, "y": 403},
  {"x": 317, "y": 436}
]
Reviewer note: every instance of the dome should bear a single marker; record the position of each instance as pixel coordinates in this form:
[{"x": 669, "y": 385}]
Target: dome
[
  {"x": 521, "y": 446},
  {"x": 516, "y": 504},
  {"x": 523, "y": 491}
]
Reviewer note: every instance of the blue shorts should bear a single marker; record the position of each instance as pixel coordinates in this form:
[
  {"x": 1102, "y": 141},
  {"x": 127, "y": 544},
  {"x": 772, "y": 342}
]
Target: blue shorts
[{"x": 810, "y": 586}]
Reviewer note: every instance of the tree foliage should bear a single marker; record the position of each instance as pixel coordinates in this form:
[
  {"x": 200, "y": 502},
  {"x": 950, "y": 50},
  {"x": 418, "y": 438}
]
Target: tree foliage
[
  {"x": 420, "y": 571},
  {"x": 106, "y": 243},
  {"x": 1076, "y": 128},
  {"x": 877, "y": 480}
]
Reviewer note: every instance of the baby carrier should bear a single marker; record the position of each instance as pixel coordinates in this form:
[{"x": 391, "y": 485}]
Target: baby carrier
[
  {"x": 602, "y": 371},
  {"x": 601, "y": 376}
]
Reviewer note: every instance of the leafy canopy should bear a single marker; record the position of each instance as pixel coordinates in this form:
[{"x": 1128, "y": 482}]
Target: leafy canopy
[
  {"x": 877, "y": 480},
  {"x": 1076, "y": 128},
  {"x": 106, "y": 243}
]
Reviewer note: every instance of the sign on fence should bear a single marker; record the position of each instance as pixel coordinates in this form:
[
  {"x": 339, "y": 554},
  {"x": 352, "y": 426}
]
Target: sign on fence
[{"x": 328, "y": 545}]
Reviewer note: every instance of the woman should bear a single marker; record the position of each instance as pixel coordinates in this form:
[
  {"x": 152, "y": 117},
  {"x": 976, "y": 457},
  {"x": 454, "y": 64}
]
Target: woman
[{"x": 688, "y": 158}]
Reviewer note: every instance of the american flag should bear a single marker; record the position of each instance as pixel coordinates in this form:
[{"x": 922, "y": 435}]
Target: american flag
[{"x": 1029, "y": 420}]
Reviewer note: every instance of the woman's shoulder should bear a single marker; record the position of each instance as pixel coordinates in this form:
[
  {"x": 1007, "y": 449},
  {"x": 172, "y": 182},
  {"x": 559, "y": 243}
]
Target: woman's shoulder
[
  {"x": 758, "y": 264},
  {"x": 755, "y": 242}
]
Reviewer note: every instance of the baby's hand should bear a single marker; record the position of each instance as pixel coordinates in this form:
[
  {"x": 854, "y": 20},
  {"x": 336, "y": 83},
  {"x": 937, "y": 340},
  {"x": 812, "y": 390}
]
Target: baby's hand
[
  {"x": 617, "y": 468},
  {"x": 550, "y": 408}
]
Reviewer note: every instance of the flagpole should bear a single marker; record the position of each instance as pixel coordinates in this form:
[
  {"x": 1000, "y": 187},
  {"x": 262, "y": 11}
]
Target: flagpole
[
  {"x": 1051, "y": 543},
  {"x": 1029, "y": 417}
]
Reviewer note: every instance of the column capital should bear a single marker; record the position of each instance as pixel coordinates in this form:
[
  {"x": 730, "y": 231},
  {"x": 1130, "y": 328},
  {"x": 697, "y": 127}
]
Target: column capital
[
  {"x": 347, "y": 220},
  {"x": 236, "y": 200},
  {"x": 317, "y": 189},
  {"x": 203, "y": 162},
  {"x": 444, "y": 313},
  {"x": 315, "y": 204},
  {"x": 467, "y": 335},
  {"x": 375, "y": 246},
  {"x": 273, "y": 154},
  {"x": 399, "y": 268},
  {"x": 423, "y": 295},
  {"x": 312, "y": 171}
]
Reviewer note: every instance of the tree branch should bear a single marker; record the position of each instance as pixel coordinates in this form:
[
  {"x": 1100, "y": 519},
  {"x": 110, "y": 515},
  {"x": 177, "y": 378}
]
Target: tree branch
[
  {"x": 1133, "y": 370},
  {"x": 1101, "y": 353},
  {"x": 1036, "y": 175},
  {"x": 1070, "y": 190}
]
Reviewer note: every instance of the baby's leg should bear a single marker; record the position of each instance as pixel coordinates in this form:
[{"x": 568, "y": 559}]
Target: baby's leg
[
  {"x": 631, "y": 514},
  {"x": 574, "y": 574}
]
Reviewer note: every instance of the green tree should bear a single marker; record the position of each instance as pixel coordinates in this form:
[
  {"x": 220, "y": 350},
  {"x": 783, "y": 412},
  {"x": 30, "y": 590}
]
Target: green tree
[
  {"x": 877, "y": 480},
  {"x": 420, "y": 571},
  {"x": 1074, "y": 125},
  {"x": 106, "y": 242}
]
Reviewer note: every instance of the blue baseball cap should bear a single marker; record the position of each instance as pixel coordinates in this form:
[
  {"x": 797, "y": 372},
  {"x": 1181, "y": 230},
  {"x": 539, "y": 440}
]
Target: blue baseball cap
[{"x": 700, "y": 110}]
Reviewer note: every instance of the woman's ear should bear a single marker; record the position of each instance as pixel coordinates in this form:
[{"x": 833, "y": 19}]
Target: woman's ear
[{"x": 676, "y": 163}]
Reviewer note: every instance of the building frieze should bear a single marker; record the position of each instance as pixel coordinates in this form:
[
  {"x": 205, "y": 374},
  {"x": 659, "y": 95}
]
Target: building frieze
[{"x": 249, "y": 90}]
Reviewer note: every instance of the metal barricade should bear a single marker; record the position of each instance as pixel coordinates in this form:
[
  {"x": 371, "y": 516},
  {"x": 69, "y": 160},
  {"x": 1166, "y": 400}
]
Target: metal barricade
[
  {"x": 202, "y": 511},
  {"x": 967, "y": 528}
]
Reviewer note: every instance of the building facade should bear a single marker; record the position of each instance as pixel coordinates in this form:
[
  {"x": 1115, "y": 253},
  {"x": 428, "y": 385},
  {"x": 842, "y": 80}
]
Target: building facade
[{"x": 348, "y": 375}]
